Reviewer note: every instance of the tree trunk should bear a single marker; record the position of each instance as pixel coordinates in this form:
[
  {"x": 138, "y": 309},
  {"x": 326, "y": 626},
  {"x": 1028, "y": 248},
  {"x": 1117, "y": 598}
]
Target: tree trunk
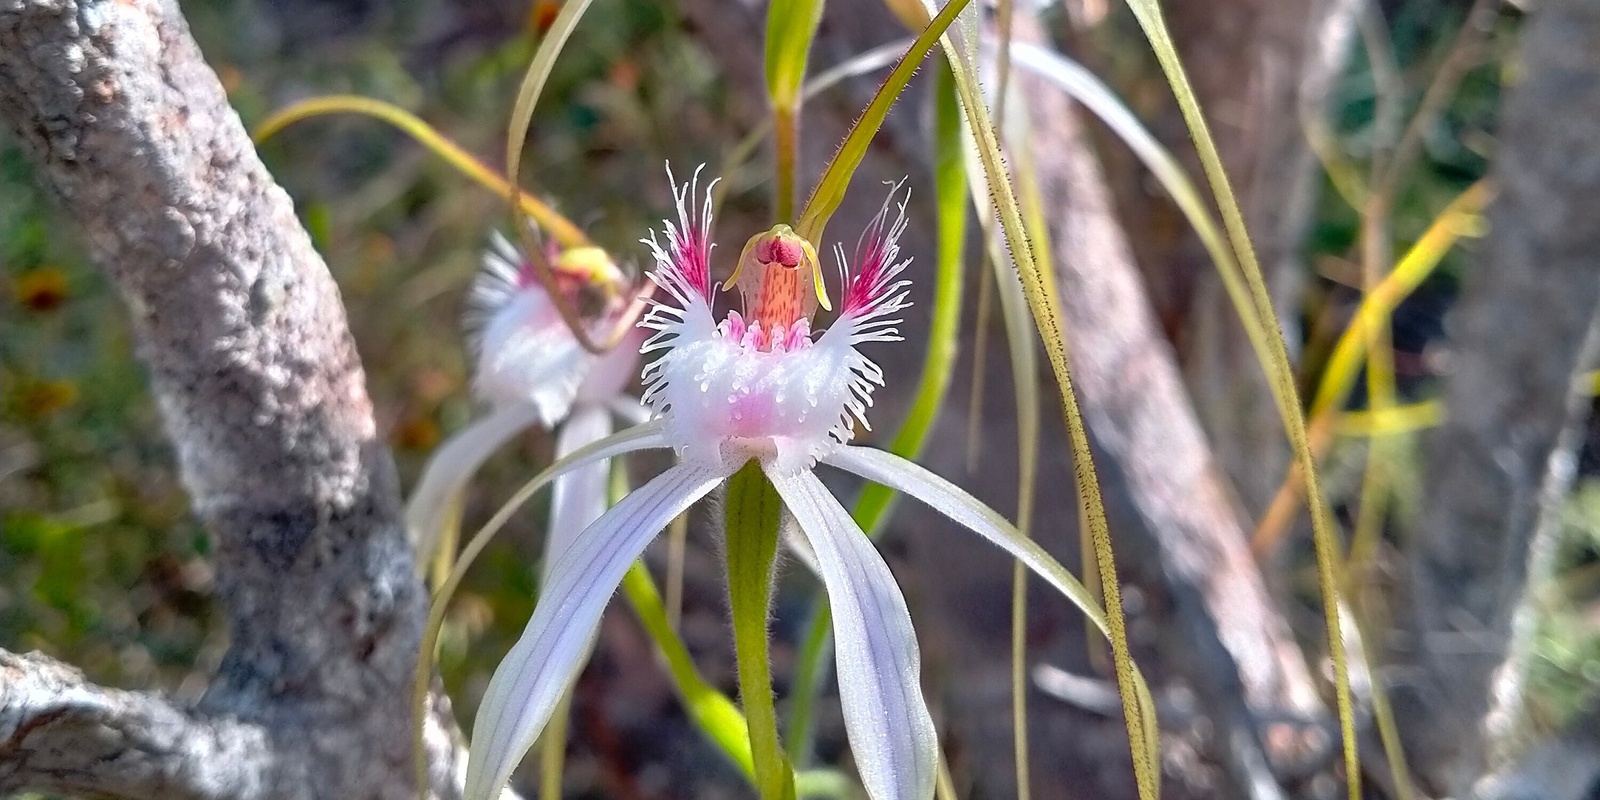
[
  {"x": 1515, "y": 336},
  {"x": 242, "y": 331}
]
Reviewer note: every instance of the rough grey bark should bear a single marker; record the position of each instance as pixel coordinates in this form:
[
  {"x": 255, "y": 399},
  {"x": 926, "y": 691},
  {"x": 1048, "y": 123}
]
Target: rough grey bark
[
  {"x": 241, "y": 329},
  {"x": 1258, "y": 66},
  {"x": 1515, "y": 335}
]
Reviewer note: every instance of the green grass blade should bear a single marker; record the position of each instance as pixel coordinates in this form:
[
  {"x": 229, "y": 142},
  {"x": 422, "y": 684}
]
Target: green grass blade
[
  {"x": 528, "y": 93},
  {"x": 1279, "y": 369},
  {"x": 1045, "y": 306},
  {"x": 559, "y": 227},
  {"x": 830, "y": 189}
]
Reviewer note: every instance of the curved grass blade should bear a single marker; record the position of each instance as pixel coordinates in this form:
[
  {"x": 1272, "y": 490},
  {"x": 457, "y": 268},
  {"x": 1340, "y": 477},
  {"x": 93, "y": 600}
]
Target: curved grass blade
[
  {"x": 533, "y": 82},
  {"x": 830, "y": 188},
  {"x": 1279, "y": 370},
  {"x": 1088, "y": 90},
  {"x": 547, "y": 218},
  {"x": 1138, "y": 713},
  {"x": 1459, "y": 218}
]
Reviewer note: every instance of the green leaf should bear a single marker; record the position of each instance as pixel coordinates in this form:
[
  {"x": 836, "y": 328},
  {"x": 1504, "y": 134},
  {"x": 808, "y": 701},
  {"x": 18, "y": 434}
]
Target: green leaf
[{"x": 791, "y": 25}]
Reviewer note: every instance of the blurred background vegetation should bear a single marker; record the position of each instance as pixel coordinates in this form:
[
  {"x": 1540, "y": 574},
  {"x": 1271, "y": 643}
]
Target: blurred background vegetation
[{"x": 101, "y": 563}]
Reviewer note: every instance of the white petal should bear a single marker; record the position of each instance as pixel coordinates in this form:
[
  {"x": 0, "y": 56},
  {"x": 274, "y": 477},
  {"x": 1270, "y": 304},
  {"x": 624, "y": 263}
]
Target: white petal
[
  {"x": 612, "y": 371},
  {"x": 629, "y": 409},
  {"x": 579, "y": 497},
  {"x": 451, "y": 466},
  {"x": 953, "y": 502},
  {"x": 527, "y": 354},
  {"x": 880, "y": 671},
  {"x": 528, "y": 683}
]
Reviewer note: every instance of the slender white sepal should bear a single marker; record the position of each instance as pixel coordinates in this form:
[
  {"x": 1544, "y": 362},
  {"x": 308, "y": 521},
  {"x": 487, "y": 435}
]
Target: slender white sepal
[
  {"x": 437, "y": 494},
  {"x": 892, "y": 737},
  {"x": 969, "y": 512},
  {"x": 579, "y": 497},
  {"x": 530, "y": 681}
]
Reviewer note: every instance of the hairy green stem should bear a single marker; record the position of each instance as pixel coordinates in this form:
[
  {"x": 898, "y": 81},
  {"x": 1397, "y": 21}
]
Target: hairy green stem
[{"x": 753, "y": 515}]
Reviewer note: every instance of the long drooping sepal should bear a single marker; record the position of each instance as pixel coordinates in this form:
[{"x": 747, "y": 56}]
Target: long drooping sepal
[
  {"x": 436, "y": 499},
  {"x": 892, "y": 736},
  {"x": 639, "y": 437},
  {"x": 969, "y": 512},
  {"x": 579, "y": 497},
  {"x": 529, "y": 682}
]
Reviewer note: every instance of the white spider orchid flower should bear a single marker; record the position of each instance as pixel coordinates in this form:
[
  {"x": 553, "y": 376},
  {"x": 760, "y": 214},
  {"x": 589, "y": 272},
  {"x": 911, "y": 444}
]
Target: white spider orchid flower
[
  {"x": 531, "y": 370},
  {"x": 758, "y": 386}
]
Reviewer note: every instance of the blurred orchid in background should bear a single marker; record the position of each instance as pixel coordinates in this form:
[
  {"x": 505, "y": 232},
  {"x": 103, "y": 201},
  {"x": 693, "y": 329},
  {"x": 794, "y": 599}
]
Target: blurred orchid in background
[
  {"x": 757, "y": 387},
  {"x": 531, "y": 370}
]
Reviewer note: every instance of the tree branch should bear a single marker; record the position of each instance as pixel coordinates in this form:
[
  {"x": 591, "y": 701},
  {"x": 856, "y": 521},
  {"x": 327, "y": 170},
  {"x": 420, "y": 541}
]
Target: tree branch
[
  {"x": 243, "y": 333},
  {"x": 59, "y": 733}
]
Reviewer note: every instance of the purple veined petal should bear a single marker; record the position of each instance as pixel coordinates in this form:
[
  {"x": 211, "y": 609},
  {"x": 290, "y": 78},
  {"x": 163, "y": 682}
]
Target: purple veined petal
[
  {"x": 579, "y": 497},
  {"x": 892, "y": 736},
  {"x": 530, "y": 681},
  {"x": 952, "y": 501},
  {"x": 436, "y": 495}
]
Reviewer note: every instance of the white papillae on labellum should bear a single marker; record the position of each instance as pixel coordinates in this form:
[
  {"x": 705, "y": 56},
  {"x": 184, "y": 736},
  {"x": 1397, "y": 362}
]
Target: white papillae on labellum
[{"x": 757, "y": 385}]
